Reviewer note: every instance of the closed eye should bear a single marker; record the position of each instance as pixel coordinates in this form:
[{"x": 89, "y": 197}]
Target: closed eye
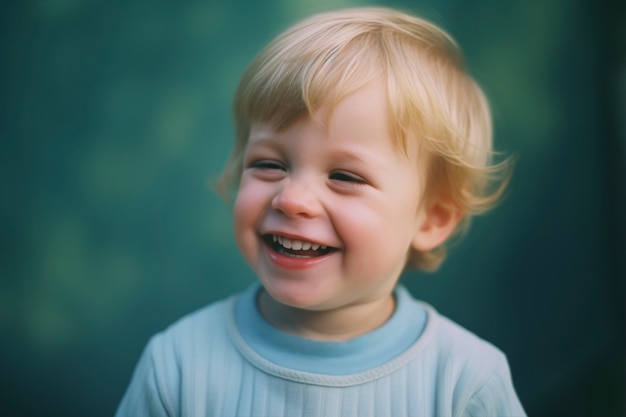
[
  {"x": 267, "y": 164},
  {"x": 346, "y": 177}
]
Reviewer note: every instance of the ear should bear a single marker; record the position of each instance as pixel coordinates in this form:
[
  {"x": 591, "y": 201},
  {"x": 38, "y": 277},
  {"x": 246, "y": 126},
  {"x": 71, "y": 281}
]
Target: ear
[{"x": 436, "y": 224}]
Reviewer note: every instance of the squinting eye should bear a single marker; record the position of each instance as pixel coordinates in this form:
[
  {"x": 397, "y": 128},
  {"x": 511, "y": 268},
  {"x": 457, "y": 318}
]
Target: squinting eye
[
  {"x": 343, "y": 176},
  {"x": 266, "y": 165}
]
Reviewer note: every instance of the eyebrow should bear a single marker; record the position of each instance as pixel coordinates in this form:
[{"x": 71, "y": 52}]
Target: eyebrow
[
  {"x": 260, "y": 138},
  {"x": 347, "y": 155},
  {"x": 261, "y": 132},
  {"x": 263, "y": 140}
]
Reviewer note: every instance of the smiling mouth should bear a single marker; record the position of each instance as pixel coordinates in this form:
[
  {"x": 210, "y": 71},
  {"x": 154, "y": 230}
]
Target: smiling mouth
[{"x": 296, "y": 248}]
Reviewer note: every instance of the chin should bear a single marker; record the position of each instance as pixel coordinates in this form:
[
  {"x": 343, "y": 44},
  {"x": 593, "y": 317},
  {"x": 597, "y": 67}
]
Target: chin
[{"x": 300, "y": 299}]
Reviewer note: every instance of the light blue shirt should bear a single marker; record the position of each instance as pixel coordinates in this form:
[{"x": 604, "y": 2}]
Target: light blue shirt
[{"x": 226, "y": 360}]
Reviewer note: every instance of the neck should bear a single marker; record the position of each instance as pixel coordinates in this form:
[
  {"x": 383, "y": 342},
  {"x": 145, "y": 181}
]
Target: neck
[{"x": 339, "y": 324}]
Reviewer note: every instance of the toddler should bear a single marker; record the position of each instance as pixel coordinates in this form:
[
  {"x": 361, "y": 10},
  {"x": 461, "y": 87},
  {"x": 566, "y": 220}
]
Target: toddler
[{"x": 362, "y": 146}]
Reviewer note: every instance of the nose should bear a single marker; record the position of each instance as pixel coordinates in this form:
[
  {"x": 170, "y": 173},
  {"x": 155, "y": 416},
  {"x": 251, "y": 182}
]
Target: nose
[{"x": 296, "y": 199}]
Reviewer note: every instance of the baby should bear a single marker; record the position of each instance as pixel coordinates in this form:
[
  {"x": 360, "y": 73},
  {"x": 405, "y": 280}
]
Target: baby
[{"x": 362, "y": 146}]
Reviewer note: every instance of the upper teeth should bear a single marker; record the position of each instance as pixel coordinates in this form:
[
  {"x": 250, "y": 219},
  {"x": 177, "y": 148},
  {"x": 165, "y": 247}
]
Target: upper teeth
[{"x": 295, "y": 244}]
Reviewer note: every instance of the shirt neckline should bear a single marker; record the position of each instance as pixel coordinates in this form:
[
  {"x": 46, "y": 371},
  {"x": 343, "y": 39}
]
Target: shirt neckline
[{"x": 297, "y": 357}]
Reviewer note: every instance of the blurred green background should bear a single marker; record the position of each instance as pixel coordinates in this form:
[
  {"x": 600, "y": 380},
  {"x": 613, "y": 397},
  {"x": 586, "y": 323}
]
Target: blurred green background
[{"x": 115, "y": 115}]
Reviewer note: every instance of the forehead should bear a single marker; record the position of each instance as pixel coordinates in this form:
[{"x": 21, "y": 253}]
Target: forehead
[
  {"x": 364, "y": 116},
  {"x": 358, "y": 123},
  {"x": 360, "y": 113}
]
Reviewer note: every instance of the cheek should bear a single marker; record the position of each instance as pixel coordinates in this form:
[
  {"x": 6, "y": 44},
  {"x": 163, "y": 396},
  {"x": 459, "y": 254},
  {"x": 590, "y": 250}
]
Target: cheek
[
  {"x": 250, "y": 204},
  {"x": 380, "y": 234},
  {"x": 246, "y": 212},
  {"x": 362, "y": 228}
]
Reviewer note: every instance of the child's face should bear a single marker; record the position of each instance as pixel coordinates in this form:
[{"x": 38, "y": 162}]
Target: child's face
[{"x": 326, "y": 214}]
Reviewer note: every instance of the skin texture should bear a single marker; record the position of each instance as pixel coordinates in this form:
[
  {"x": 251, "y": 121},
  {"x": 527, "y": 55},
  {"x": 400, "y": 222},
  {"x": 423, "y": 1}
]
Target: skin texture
[{"x": 337, "y": 180}]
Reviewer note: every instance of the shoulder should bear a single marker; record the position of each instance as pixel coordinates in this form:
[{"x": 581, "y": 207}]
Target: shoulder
[
  {"x": 175, "y": 360},
  {"x": 443, "y": 341},
  {"x": 473, "y": 372},
  {"x": 458, "y": 344},
  {"x": 194, "y": 331}
]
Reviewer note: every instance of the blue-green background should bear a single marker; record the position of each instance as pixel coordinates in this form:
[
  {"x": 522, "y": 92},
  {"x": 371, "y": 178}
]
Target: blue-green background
[{"x": 115, "y": 115}]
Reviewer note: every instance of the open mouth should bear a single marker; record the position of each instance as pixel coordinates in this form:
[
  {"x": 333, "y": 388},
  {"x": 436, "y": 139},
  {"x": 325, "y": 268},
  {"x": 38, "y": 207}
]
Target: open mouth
[{"x": 296, "y": 248}]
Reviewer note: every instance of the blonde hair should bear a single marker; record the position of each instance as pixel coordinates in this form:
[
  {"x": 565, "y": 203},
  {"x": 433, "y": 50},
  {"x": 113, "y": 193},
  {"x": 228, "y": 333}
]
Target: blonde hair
[{"x": 431, "y": 99}]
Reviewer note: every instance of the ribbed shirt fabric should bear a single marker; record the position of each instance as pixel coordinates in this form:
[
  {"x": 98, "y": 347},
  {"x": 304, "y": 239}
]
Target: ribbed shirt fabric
[{"x": 226, "y": 360}]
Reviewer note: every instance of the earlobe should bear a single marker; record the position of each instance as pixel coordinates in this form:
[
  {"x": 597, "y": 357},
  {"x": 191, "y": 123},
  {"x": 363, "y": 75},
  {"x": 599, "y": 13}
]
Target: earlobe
[{"x": 437, "y": 224}]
